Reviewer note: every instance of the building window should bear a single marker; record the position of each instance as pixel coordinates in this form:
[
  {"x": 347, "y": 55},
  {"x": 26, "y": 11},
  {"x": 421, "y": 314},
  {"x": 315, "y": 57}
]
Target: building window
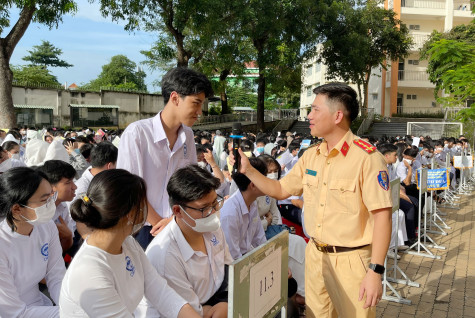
[
  {"x": 411, "y": 96},
  {"x": 414, "y": 26},
  {"x": 414, "y": 96},
  {"x": 309, "y": 91},
  {"x": 309, "y": 71},
  {"x": 74, "y": 94},
  {"x": 375, "y": 97},
  {"x": 83, "y": 94},
  {"x": 413, "y": 62}
]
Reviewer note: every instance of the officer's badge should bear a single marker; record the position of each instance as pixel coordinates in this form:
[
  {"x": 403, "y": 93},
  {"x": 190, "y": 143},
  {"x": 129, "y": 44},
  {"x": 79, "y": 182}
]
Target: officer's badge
[{"x": 383, "y": 180}]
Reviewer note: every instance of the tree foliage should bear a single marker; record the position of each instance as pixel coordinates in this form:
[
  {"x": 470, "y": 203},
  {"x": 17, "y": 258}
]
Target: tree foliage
[
  {"x": 47, "y": 12},
  {"x": 46, "y": 54},
  {"x": 451, "y": 67},
  {"x": 120, "y": 72},
  {"x": 33, "y": 74},
  {"x": 360, "y": 36}
]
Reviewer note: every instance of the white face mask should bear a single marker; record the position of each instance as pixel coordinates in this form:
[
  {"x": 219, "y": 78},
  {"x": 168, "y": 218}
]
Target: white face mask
[
  {"x": 273, "y": 176},
  {"x": 139, "y": 226},
  {"x": 202, "y": 165},
  {"x": 6, "y": 165},
  {"x": 15, "y": 156},
  {"x": 44, "y": 213},
  {"x": 409, "y": 161},
  {"x": 210, "y": 223}
]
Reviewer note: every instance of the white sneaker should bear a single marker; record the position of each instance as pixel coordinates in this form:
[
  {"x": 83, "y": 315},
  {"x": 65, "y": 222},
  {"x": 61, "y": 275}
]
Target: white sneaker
[{"x": 392, "y": 255}]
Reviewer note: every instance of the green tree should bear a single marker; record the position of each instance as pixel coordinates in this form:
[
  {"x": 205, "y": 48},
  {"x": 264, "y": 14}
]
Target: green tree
[
  {"x": 46, "y": 55},
  {"x": 33, "y": 74},
  {"x": 451, "y": 67},
  {"x": 47, "y": 12},
  {"x": 120, "y": 72},
  {"x": 359, "y": 36}
]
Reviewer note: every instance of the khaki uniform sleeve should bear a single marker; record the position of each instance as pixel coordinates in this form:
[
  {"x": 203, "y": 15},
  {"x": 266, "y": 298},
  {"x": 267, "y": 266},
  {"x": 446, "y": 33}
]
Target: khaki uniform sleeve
[
  {"x": 375, "y": 190},
  {"x": 292, "y": 182}
]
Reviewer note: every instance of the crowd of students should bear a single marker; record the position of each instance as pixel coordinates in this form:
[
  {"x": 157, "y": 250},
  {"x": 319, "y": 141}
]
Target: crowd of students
[{"x": 147, "y": 227}]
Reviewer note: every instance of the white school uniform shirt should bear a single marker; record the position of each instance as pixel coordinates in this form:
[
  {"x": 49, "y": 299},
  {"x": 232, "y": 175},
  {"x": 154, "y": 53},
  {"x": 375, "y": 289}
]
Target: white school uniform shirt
[
  {"x": 24, "y": 262},
  {"x": 63, "y": 210},
  {"x": 83, "y": 183},
  {"x": 392, "y": 172},
  {"x": 194, "y": 275},
  {"x": 242, "y": 227},
  {"x": 144, "y": 150},
  {"x": 98, "y": 284}
]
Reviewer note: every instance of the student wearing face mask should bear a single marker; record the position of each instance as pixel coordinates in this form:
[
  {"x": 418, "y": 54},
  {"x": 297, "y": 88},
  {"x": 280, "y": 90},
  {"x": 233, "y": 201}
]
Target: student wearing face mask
[
  {"x": 118, "y": 273},
  {"x": 29, "y": 245},
  {"x": 7, "y": 161},
  {"x": 191, "y": 252}
]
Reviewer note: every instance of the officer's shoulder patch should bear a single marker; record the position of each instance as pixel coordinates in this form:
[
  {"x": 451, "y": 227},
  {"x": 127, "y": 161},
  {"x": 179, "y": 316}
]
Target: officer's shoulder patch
[{"x": 366, "y": 146}]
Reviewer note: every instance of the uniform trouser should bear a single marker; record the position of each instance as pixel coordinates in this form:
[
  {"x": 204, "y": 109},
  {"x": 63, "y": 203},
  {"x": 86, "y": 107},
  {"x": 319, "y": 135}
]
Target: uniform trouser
[{"x": 332, "y": 283}]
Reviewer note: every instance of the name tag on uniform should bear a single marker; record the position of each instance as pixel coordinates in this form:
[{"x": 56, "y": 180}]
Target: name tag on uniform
[{"x": 311, "y": 172}]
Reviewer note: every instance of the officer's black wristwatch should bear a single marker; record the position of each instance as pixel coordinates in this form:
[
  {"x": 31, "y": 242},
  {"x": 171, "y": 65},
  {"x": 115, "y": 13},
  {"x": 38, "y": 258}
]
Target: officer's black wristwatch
[{"x": 379, "y": 269}]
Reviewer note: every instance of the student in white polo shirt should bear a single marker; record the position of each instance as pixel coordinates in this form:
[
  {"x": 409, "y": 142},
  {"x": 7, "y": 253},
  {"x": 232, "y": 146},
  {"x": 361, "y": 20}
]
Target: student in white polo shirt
[
  {"x": 156, "y": 147},
  {"x": 191, "y": 252},
  {"x": 110, "y": 273},
  {"x": 29, "y": 245}
]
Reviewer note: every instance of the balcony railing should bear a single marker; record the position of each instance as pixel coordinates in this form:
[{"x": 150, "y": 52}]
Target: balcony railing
[
  {"x": 269, "y": 115},
  {"x": 462, "y": 5},
  {"x": 420, "y": 110},
  {"x": 424, "y": 4},
  {"x": 419, "y": 40},
  {"x": 418, "y": 76}
]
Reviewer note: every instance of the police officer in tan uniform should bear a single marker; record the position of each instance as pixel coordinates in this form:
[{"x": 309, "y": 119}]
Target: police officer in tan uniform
[{"x": 347, "y": 203}]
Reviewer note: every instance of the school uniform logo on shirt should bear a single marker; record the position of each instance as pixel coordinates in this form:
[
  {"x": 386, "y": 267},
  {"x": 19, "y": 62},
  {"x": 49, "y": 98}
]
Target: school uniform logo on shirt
[
  {"x": 214, "y": 240},
  {"x": 185, "y": 150},
  {"x": 129, "y": 266},
  {"x": 267, "y": 199},
  {"x": 44, "y": 251},
  {"x": 383, "y": 180}
]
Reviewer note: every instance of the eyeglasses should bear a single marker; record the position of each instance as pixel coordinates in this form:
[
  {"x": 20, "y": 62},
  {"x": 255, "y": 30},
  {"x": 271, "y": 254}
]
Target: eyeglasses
[
  {"x": 49, "y": 201},
  {"x": 206, "y": 211}
]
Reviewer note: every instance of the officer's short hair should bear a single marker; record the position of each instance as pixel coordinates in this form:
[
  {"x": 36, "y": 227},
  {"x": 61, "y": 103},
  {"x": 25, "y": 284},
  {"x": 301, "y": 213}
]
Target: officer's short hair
[
  {"x": 343, "y": 94},
  {"x": 387, "y": 148}
]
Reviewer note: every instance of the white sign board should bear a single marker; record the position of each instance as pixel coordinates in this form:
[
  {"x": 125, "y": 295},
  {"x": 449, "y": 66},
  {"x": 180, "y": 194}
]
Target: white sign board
[
  {"x": 395, "y": 186},
  {"x": 423, "y": 182},
  {"x": 116, "y": 141},
  {"x": 416, "y": 141},
  {"x": 463, "y": 162}
]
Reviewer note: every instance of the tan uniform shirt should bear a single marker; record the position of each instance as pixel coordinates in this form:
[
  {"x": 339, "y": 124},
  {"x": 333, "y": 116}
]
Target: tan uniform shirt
[{"x": 339, "y": 188}]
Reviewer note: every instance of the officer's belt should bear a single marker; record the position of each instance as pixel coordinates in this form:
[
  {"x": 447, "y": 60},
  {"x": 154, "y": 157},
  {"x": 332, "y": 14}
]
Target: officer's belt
[{"x": 325, "y": 248}]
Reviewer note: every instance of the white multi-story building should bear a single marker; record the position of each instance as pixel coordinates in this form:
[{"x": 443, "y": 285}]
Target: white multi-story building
[{"x": 404, "y": 87}]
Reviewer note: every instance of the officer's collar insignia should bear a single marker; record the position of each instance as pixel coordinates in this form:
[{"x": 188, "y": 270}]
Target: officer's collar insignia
[
  {"x": 369, "y": 148},
  {"x": 383, "y": 180},
  {"x": 344, "y": 149}
]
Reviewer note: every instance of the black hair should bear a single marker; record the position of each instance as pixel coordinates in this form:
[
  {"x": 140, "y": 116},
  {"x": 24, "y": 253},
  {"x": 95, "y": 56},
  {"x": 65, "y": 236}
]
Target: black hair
[
  {"x": 294, "y": 146},
  {"x": 387, "y": 148},
  {"x": 261, "y": 140},
  {"x": 451, "y": 139},
  {"x": 268, "y": 160},
  {"x": 401, "y": 147},
  {"x": 68, "y": 140},
  {"x": 342, "y": 93},
  {"x": 185, "y": 81},
  {"x": 247, "y": 145},
  {"x": 17, "y": 186},
  {"x": 14, "y": 133},
  {"x": 111, "y": 195},
  {"x": 200, "y": 149},
  {"x": 86, "y": 150},
  {"x": 56, "y": 170},
  {"x": 411, "y": 152},
  {"x": 103, "y": 153},
  {"x": 189, "y": 184},
  {"x": 242, "y": 181},
  {"x": 439, "y": 143},
  {"x": 82, "y": 139},
  {"x": 9, "y": 145}
]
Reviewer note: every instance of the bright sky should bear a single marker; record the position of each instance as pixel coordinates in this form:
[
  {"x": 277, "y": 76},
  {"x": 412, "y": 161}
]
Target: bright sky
[{"x": 88, "y": 41}]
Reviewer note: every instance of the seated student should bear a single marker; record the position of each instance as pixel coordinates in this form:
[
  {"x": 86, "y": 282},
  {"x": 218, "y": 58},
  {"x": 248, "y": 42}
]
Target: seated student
[
  {"x": 61, "y": 174},
  {"x": 239, "y": 217},
  {"x": 29, "y": 245},
  {"x": 260, "y": 146},
  {"x": 6, "y": 162},
  {"x": 110, "y": 273},
  {"x": 191, "y": 252},
  {"x": 13, "y": 149}
]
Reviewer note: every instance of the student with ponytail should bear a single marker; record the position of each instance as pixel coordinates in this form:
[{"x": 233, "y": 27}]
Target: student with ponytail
[
  {"x": 110, "y": 274},
  {"x": 29, "y": 245}
]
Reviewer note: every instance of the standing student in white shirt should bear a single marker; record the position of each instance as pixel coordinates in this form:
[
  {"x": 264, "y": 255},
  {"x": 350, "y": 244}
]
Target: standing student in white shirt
[
  {"x": 154, "y": 148},
  {"x": 239, "y": 216},
  {"x": 29, "y": 245},
  {"x": 191, "y": 252},
  {"x": 110, "y": 273}
]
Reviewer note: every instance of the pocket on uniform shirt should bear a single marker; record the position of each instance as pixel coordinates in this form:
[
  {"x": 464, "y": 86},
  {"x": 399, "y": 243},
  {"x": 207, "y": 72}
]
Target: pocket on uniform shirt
[
  {"x": 342, "y": 196},
  {"x": 310, "y": 186}
]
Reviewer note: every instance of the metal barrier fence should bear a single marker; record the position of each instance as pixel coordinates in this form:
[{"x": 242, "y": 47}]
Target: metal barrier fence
[{"x": 269, "y": 115}]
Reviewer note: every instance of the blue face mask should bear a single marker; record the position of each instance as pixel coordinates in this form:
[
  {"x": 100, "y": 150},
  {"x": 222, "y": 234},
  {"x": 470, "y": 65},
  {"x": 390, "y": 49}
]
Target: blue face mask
[
  {"x": 420, "y": 148},
  {"x": 260, "y": 149},
  {"x": 77, "y": 151}
]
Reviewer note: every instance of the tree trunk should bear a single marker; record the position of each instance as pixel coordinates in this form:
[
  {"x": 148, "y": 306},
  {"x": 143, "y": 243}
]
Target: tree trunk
[
  {"x": 261, "y": 90},
  {"x": 7, "y": 45},
  {"x": 7, "y": 112},
  {"x": 223, "y": 96}
]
